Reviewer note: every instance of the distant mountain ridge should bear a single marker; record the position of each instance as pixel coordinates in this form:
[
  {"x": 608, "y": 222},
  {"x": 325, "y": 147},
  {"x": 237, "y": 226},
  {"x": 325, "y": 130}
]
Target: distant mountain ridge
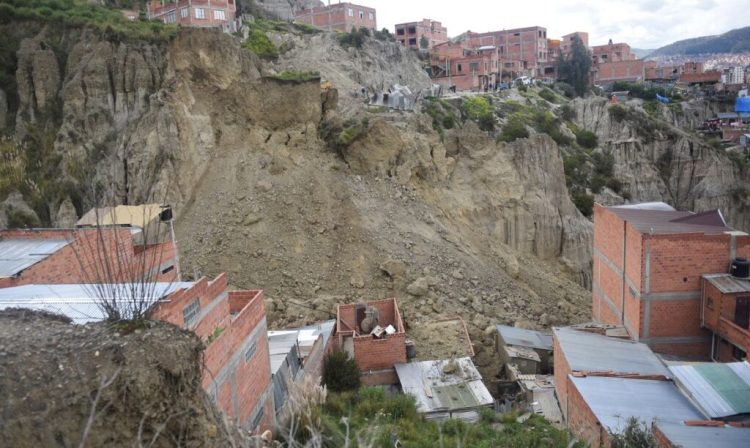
[
  {"x": 641, "y": 53},
  {"x": 734, "y": 41}
]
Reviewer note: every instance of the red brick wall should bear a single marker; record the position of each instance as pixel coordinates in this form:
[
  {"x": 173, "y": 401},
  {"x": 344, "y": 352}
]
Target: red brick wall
[
  {"x": 377, "y": 354},
  {"x": 581, "y": 419},
  {"x": 379, "y": 377},
  {"x": 674, "y": 318},
  {"x": 336, "y": 17},
  {"x": 678, "y": 261},
  {"x": 622, "y": 70},
  {"x": 562, "y": 370},
  {"x": 695, "y": 350},
  {"x": 75, "y": 263}
]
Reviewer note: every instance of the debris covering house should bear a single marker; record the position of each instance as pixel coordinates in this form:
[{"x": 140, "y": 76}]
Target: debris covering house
[
  {"x": 530, "y": 350},
  {"x": 373, "y": 334},
  {"x": 237, "y": 371},
  {"x": 445, "y": 388},
  {"x": 649, "y": 262}
]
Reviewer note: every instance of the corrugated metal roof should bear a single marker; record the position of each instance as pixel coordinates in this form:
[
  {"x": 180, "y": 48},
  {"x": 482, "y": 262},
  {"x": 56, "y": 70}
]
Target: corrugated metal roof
[
  {"x": 436, "y": 391},
  {"x": 705, "y": 436},
  {"x": 79, "y": 302},
  {"x": 18, "y": 254},
  {"x": 281, "y": 342},
  {"x": 719, "y": 390},
  {"x": 728, "y": 284},
  {"x": 525, "y": 338},
  {"x": 586, "y": 351},
  {"x": 614, "y": 400},
  {"x": 655, "y": 219}
]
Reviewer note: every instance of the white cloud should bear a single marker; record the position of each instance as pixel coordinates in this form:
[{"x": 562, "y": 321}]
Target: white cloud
[{"x": 641, "y": 23}]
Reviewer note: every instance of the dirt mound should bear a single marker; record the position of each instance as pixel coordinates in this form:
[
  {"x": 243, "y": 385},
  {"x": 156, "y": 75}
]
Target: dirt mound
[{"x": 102, "y": 385}]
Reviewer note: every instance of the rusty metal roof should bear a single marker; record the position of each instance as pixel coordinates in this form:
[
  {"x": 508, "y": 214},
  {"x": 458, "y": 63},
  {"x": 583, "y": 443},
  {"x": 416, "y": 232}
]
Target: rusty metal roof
[
  {"x": 728, "y": 284},
  {"x": 655, "y": 218}
]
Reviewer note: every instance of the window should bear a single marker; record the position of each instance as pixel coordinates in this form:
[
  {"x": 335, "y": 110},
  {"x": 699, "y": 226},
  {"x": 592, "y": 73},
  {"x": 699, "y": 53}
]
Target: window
[
  {"x": 474, "y": 66},
  {"x": 250, "y": 352},
  {"x": 412, "y": 29},
  {"x": 351, "y": 12},
  {"x": 170, "y": 17},
  {"x": 167, "y": 269},
  {"x": 459, "y": 67},
  {"x": 412, "y": 41},
  {"x": 184, "y": 13},
  {"x": 219, "y": 14},
  {"x": 400, "y": 31},
  {"x": 361, "y": 14},
  {"x": 371, "y": 16},
  {"x": 200, "y": 13},
  {"x": 190, "y": 312}
]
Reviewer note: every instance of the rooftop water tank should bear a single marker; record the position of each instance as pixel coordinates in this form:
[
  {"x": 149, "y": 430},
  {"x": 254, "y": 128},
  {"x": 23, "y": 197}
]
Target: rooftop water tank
[{"x": 740, "y": 268}]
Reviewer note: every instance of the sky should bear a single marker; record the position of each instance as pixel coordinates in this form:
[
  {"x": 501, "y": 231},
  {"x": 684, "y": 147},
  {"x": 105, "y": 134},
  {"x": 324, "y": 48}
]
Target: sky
[{"x": 644, "y": 24}]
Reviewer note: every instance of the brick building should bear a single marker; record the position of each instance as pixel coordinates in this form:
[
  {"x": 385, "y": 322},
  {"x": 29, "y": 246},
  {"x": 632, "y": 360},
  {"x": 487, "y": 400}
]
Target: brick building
[
  {"x": 66, "y": 256},
  {"x": 616, "y": 62},
  {"x": 410, "y": 34},
  {"x": 725, "y": 312},
  {"x": 473, "y": 64},
  {"x": 374, "y": 336},
  {"x": 339, "y": 17},
  {"x": 649, "y": 261},
  {"x": 522, "y": 51},
  {"x": 232, "y": 323},
  {"x": 197, "y": 13},
  {"x": 566, "y": 44}
]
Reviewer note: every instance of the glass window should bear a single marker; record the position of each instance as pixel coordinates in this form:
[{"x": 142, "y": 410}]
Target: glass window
[
  {"x": 361, "y": 14},
  {"x": 200, "y": 13},
  {"x": 183, "y": 13},
  {"x": 219, "y": 14},
  {"x": 351, "y": 12},
  {"x": 459, "y": 67},
  {"x": 250, "y": 352},
  {"x": 413, "y": 41},
  {"x": 474, "y": 66},
  {"x": 371, "y": 16},
  {"x": 400, "y": 31},
  {"x": 170, "y": 17}
]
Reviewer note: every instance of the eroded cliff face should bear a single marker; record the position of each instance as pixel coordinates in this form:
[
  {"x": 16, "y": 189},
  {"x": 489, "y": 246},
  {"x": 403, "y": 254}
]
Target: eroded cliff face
[{"x": 668, "y": 163}]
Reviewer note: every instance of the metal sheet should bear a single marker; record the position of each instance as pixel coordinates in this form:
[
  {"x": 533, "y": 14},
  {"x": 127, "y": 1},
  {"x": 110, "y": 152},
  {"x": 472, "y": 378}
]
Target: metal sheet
[
  {"x": 728, "y": 284},
  {"x": 592, "y": 352},
  {"x": 525, "y": 338},
  {"x": 719, "y": 390},
  {"x": 80, "y": 302},
  {"x": 18, "y": 254},
  {"x": 705, "y": 436},
  {"x": 436, "y": 391},
  {"x": 614, "y": 400}
]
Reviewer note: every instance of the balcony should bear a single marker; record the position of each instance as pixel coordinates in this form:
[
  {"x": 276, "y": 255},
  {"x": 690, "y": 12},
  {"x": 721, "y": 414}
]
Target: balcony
[{"x": 735, "y": 334}]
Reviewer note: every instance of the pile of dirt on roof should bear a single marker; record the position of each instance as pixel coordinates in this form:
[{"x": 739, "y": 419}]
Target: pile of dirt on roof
[{"x": 102, "y": 385}]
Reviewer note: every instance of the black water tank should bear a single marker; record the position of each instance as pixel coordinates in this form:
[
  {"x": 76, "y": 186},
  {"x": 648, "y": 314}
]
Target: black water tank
[{"x": 740, "y": 268}]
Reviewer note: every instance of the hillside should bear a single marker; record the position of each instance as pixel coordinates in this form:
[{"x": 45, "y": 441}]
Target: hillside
[{"x": 734, "y": 41}]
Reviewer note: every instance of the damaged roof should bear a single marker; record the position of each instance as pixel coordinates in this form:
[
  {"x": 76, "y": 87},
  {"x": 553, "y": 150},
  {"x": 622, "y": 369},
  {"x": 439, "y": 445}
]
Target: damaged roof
[
  {"x": 719, "y": 390},
  {"x": 19, "y": 254},
  {"x": 439, "y": 389},
  {"x": 525, "y": 338},
  {"x": 660, "y": 218},
  {"x": 592, "y": 352}
]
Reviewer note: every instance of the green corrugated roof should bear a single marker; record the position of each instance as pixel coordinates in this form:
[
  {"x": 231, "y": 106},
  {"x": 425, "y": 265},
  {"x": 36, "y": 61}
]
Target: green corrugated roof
[{"x": 727, "y": 384}]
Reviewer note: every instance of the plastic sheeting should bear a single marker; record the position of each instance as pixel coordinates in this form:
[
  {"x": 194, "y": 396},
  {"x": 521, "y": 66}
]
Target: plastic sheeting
[{"x": 742, "y": 104}]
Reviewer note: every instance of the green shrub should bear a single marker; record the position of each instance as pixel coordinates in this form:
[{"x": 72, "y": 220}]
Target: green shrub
[
  {"x": 566, "y": 89},
  {"x": 513, "y": 130},
  {"x": 548, "y": 123},
  {"x": 651, "y": 107},
  {"x": 548, "y": 95},
  {"x": 355, "y": 38},
  {"x": 340, "y": 372},
  {"x": 584, "y": 202},
  {"x": 480, "y": 109},
  {"x": 383, "y": 35},
  {"x": 259, "y": 43},
  {"x": 297, "y": 77},
  {"x": 635, "y": 435},
  {"x": 18, "y": 219},
  {"x": 306, "y": 29},
  {"x": 617, "y": 113},
  {"x": 587, "y": 139}
]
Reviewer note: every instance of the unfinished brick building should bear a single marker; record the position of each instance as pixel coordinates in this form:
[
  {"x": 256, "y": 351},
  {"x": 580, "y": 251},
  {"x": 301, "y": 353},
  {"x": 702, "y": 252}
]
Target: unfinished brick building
[
  {"x": 410, "y": 34},
  {"x": 197, "y": 13},
  {"x": 373, "y": 334},
  {"x": 237, "y": 371},
  {"x": 65, "y": 256},
  {"x": 339, "y": 17},
  {"x": 649, "y": 261}
]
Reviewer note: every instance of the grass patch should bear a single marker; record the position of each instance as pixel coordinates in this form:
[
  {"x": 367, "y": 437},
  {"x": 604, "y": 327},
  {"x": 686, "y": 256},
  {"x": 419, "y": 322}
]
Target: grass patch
[
  {"x": 480, "y": 109},
  {"x": 441, "y": 113},
  {"x": 586, "y": 139},
  {"x": 78, "y": 13},
  {"x": 259, "y": 43},
  {"x": 340, "y": 136},
  {"x": 297, "y": 77},
  {"x": 514, "y": 129}
]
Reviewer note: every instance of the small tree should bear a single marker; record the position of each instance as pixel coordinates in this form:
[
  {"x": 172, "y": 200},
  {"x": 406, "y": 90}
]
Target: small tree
[
  {"x": 575, "y": 67},
  {"x": 635, "y": 435},
  {"x": 340, "y": 372},
  {"x": 424, "y": 43}
]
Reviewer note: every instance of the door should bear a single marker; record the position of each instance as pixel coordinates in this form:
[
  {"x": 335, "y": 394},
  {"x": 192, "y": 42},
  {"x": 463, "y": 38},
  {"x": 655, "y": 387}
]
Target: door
[{"x": 742, "y": 312}]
